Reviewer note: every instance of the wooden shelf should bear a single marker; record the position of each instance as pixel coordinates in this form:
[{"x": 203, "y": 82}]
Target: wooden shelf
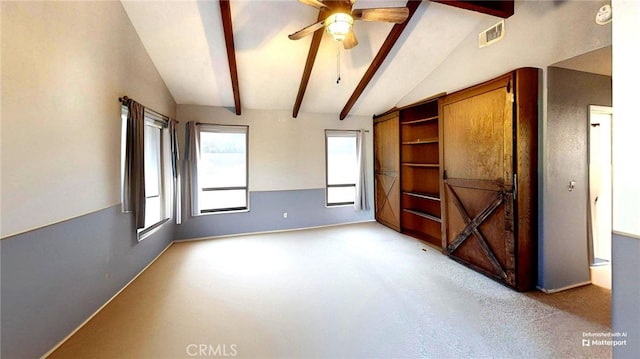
[
  {"x": 420, "y": 173},
  {"x": 433, "y": 241},
  {"x": 422, "y": 195},
  {"x": 423, "y": 215},
  {"x": 427, "y": 165},
  {"x": 421, "y": 142},
  {"x": 418, "y": 152},
  {"x": 419, "y": 121}
]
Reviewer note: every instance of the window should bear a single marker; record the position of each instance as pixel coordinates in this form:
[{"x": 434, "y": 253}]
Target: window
[
  {"x": 155, "y": 167},
  {"x": 342, "y": 166},
  {"x": 222, "y": 168},
  {"x": 153, "y": 173}
]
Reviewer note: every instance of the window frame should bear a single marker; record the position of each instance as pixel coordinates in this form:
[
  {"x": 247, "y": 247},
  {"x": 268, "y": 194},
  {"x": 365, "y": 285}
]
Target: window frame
[
  {"x": 219, "y": 128},
  {"x": 337, "y": 133},
  {"x": 154, "y": 119}
]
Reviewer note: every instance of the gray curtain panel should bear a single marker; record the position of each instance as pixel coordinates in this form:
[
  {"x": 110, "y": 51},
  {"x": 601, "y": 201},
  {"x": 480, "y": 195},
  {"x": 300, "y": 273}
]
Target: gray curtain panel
[
  {"x": 175, "y": 157},
  {"x": 361, "y": 201},
  {"x": 134, "y": 193},
  {"x": 192, "y": 153}
]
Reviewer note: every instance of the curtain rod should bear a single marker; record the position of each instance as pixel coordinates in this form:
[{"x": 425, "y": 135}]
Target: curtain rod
[
  {"x": 338, "y": 130},
  {"x": 217, "y": 124},
  {"x": 125, "y": 99}
]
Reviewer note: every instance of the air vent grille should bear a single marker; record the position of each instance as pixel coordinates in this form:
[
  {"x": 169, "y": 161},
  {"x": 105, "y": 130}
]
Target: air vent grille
[{"x": 493, "y": 34}]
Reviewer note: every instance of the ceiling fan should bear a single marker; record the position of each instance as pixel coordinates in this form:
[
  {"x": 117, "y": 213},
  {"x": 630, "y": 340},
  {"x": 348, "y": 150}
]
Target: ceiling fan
[{"x": 340, "y": 21}]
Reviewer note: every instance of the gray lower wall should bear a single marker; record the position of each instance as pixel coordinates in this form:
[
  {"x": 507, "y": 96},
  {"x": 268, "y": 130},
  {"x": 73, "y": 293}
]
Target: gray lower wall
[
  {"x": 625, "y": 295},
  {"x": 562, "y": 238},
  {"x": 55, "y": 277},
  {"x": 305, "y": 208}
]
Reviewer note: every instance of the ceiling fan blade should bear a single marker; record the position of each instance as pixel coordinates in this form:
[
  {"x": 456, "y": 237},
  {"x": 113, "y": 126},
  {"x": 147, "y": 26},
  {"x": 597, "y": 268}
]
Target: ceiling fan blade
[
  {"x": 350, "y": 41},
  {"x": 397, "y": 15},
  {"x": 307, "y": 30},
  {"x": 315, "y": 3}
]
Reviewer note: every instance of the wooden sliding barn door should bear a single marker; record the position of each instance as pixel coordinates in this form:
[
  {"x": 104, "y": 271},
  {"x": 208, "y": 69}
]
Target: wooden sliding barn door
[
  {"x": 479, "y": 147},
  {"x": 387, "y": 170}
]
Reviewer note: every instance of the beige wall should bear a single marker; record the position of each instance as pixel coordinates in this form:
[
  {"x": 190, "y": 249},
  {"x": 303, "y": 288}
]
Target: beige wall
[
  {"x": 64, "y": 65},
  {"x": 284, "y": 153}
]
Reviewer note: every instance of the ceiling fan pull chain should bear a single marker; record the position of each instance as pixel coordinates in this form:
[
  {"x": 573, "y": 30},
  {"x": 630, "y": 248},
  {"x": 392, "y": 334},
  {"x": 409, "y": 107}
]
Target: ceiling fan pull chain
[{"x": 338, "y": 47}]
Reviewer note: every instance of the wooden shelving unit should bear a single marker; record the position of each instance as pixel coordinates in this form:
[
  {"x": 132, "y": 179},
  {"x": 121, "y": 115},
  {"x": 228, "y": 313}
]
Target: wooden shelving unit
[{"x": 421, "y": 213}]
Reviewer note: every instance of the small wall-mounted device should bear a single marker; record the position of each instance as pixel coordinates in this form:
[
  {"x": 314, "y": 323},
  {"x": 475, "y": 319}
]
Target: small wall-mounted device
[
  {"x": 493, "y": 34},
  {"x": 604, "y": 15}
]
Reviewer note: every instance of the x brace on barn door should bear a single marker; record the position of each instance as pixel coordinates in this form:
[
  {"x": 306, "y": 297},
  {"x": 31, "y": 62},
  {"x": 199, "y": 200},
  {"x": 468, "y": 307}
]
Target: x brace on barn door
[
  {"x": 387, "y": 191},
  {"x": 472, "y": 228}
]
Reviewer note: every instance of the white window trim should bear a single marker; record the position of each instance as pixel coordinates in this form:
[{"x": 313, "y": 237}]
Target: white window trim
[
  {"x": 327, "y": 134},
  {"x": 167, "y": 190},
  {"x": 244, "y": 129},
  {"x": 162, "y": 123}
]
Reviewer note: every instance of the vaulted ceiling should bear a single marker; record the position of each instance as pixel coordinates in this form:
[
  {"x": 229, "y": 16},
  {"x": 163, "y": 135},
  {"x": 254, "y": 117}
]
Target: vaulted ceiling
[{"x": 186, "y": 42}]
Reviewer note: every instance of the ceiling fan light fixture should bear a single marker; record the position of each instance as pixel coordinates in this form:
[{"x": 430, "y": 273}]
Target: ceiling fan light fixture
[{"x": 339, "y": 25}]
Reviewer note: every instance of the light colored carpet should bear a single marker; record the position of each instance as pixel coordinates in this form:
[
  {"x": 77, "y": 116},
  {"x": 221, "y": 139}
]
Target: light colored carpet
[{"x": 352, "y": 291}]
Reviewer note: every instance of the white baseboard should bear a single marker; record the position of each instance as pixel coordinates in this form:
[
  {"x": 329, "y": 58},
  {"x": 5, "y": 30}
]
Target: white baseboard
[
  {"x": 104, "y": 305},
  {"x": 273, "y": 231},
  {"x": 556, "y": 290}
]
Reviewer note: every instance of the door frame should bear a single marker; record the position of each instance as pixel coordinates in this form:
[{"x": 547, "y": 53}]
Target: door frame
[{"x": 600, "y": 109}]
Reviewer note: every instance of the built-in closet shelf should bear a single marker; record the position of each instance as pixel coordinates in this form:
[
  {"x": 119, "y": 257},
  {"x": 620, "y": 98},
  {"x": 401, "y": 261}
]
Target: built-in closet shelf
[
  {"x": 414, "y": 146},
  {"x": 421, "y": 141},
  {"x": 434, "y": 241},
  {"x": 423, "y": 215},
  {"x": 426, "y": 165},
  {"x": 433, "y": 118},
  {"x": 422, "y": 195}
]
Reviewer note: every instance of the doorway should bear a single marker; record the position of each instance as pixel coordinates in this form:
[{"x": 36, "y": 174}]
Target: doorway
[{"x": 600, "y": 195}]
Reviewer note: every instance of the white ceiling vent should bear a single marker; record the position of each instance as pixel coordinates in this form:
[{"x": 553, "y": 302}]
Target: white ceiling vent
[{"x": 493, "y": 34}]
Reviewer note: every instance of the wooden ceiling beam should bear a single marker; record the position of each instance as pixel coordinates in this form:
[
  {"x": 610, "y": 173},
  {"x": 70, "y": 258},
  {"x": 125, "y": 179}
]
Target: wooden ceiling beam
[
  {"x": 308, "y": 66},
  {"x": 391, "y": 39},
  {"x": 503, "y": 9},
  {"x": 225, "y": 11}
]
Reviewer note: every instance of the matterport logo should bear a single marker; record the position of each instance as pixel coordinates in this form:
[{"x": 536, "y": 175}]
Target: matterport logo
[
  {"x": 604, "y": 339},
  {"x": 212, "y": 350}
]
